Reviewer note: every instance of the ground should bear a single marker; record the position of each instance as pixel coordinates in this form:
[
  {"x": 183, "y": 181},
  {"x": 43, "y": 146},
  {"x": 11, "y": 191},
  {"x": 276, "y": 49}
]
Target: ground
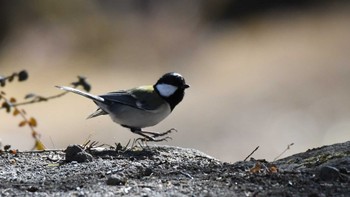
[{"x": 172, "y": 171}]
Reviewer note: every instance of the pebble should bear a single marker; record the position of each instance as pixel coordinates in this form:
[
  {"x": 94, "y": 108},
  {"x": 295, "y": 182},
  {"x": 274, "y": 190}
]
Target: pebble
[
  {"x": 78, "y": 154},
  {"x": 329, "y": 173},
  {"x": 116, "y": 180},
  {"x": 32, "y": 189},
  {"x": 147, "y": 172}
]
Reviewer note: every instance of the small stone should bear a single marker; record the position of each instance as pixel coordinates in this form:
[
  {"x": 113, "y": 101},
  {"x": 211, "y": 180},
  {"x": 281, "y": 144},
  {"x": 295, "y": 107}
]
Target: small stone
[
  {"x": 148, "y": 172},
  {"x": 116, "y": 180},
  {"x": 77, "y": 153},
  {"x": 329, "y": 173},
  {"x": 32, "y": 189}
]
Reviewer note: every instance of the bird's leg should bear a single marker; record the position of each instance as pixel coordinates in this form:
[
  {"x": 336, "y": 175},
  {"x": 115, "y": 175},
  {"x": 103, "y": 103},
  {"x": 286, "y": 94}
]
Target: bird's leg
[
  {"x": 154, "y": 135},
  {"x": 139, "y": 132}
]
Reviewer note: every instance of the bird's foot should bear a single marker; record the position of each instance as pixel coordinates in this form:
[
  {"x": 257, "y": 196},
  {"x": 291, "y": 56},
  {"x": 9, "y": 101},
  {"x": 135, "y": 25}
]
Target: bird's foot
[
  {"x": 149, "y": 136},
  {"x": 156, "y": 134}
]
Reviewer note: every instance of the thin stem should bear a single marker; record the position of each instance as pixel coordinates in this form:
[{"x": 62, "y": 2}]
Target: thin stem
[
  {"x": 37, "y": 100},
  {"x": 285, "y": 150},
  {"x": 251, "y": 153}
]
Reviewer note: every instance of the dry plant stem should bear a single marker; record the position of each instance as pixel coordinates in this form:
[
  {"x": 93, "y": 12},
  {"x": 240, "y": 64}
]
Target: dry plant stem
[
  {"x": 34, "y": 133},
  {"x": 37, "y": 100},
  {"x": 11, "y": 105},
  {"x": 285, "y": 150},
  {"x": 251, "y": 153}
]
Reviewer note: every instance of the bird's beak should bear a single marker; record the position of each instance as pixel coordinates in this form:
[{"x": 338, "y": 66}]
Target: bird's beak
[{"x": 186, "y": 86}]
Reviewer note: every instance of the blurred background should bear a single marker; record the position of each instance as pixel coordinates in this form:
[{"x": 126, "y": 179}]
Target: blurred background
[{"x": 262, "y": 73}]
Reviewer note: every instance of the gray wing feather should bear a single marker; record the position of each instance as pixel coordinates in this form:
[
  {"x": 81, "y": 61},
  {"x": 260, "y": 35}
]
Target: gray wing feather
[
  {"x": 98, "y": 112},
  {"x": 123, "y": 97}
]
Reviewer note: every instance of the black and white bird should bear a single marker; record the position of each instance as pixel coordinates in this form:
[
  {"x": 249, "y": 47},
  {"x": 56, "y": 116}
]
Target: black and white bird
[{"x": 140, "y": 107}]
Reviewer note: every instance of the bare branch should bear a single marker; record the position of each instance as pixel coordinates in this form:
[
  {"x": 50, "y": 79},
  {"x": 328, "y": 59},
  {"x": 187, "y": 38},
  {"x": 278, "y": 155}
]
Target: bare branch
[
  {"x": 251, "y": 153},
  {"x": 285, "y": 150}
]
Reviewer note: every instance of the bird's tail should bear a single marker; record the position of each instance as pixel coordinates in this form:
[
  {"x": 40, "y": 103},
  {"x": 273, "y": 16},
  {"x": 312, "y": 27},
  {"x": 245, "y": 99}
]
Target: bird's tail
[{"x": 85, "y": 94}]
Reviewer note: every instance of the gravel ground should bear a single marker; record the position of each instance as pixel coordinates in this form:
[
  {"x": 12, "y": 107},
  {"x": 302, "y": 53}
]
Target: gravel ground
[{"x": 172, "y": 171}]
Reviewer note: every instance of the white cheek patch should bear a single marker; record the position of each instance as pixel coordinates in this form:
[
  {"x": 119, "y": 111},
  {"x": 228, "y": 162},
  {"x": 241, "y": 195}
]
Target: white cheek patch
[{"x": 166, "y": 90}]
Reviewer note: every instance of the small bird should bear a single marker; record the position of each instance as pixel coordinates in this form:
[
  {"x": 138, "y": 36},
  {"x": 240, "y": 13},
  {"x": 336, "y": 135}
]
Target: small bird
[{"x": 140, "y": 107}]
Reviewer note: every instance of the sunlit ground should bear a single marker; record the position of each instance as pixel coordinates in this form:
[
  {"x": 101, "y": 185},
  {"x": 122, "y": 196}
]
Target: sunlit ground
[{"x": 272, "y": 80}]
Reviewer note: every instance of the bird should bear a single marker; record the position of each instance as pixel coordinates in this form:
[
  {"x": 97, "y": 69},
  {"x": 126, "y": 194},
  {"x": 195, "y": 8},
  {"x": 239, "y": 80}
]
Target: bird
[{"x": 140, "y": 107}]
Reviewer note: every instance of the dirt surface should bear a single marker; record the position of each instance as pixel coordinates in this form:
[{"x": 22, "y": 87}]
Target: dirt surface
[{"x": 172, "y": 171}]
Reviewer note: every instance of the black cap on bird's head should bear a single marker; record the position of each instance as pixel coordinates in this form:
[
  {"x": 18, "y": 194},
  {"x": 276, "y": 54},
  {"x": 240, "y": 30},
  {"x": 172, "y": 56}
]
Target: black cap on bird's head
[
  {"x": 171, "y": 87},
  {"x": 174, "y": 79}
]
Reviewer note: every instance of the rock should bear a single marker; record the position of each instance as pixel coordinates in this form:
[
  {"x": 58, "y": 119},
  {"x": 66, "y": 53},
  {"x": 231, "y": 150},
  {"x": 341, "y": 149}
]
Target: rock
[
  {"x": 174, "y": 171},
  {"x": 116, "y": 180},
  {"x": 32, "y": 189},
  {"x": 147, "y": 172},
  {"x": 78, "y": 154},
  {"x": 329, "y": 173}
]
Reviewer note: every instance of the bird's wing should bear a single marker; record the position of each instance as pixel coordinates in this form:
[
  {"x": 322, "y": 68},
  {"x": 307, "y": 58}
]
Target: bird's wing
[
  {"x": 143, "y": 98},
  {"x": 122, "y": 97},
  {"x": 98, "y": 112}
]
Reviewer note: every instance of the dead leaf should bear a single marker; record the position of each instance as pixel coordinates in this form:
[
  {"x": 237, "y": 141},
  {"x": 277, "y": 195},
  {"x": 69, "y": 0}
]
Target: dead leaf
[
  {"x": 16, "y": 112},
  {"x": 39, "y": 145},
  {"x": 7, "y": 147},
  {"x": 2, "y": 83},
  {"x": 22, "y": 75},
  {"x": 34, "y": 134},
  {"x": 273, "y": 169},
  {"x": 256, "y": 168},
  {"x": 6, "y": 106},
  {"x": 10, "y": 78},
  {"x": 12, "y": 100},
  {"x": 22, "y": 123},
  {"x": 32, "y": 122},
  {"x": 13, "y": 152}
]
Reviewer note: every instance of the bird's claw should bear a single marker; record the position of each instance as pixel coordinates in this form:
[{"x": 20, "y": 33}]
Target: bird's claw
[
  {"x": 155, "y": 135},
  {"x": 149, "y": 136}
]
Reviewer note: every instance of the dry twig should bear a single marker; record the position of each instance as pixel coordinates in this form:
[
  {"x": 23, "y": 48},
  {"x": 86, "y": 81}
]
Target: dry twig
[
  {"x": 285, "y": 150},
  {"x": 251, "y": 153}
]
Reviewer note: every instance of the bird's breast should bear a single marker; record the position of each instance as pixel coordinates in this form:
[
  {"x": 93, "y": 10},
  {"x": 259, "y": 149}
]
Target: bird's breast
[{"x": 138, "y": 118}]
